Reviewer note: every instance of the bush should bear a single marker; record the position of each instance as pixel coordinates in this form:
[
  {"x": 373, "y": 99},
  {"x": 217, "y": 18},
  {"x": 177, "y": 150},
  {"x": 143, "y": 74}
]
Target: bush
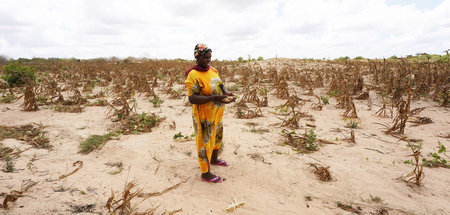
[
  {"x": 324, "y": 100},
  {"x": 344, "y": 58},
  {"x": 9, "y": 165},
  {"x": 310, "y": 140},
  {"x": 93, "y": 142},
  {"x": 3, "y": 59},
  {"x": 157, "y": 102},
  {"x": 393, "y": 57},
  {"x": 16, "y": 75}
]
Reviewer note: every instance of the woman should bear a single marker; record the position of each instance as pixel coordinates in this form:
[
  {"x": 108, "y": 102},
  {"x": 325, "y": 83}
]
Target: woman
[{"x": 208, "y": 95}]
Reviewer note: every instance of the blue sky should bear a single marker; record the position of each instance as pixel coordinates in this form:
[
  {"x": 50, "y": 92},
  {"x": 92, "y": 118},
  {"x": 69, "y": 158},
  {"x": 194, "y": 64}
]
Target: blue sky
[{"x": 232, "y": 28}]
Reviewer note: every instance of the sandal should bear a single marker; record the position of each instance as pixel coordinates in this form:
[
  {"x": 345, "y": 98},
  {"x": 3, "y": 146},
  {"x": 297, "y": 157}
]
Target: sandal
[
  {"x": 221, "y": 163},
  {"x": 216, "y": 179}
]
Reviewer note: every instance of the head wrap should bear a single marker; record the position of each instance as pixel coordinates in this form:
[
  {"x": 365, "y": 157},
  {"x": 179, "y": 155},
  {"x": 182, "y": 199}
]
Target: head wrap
[{"x": 201, "y": 49}]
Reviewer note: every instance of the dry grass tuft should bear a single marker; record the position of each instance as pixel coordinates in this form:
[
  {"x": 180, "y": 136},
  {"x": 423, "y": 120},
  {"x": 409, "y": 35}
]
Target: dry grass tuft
[
  {"x": 32, "y": 133},
  {"x": 14, "y": 194},
  {"x": 122, "y": 204},
  {"x": 244, "y": 113},
  {"x": 347, "y": 207},
  {"x": 321, "y": 172}
]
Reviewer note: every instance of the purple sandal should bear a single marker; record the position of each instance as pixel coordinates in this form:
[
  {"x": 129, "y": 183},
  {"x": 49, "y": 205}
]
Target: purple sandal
[
  {"x": 216, "y": 179},
  {"x": 221, "y": 163}
]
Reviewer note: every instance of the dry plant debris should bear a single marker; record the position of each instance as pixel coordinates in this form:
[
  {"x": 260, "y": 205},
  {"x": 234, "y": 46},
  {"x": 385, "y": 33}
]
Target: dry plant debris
[
  {"x": 347, "y": 207},
  {"x": 148, "y": 195},
  {"x": 400, "y": 119},
  {"x": 420, "y": 120},
  {"x": 88, "y": 208},
  {"x": 257, "y": 156},
  {"x": 122, "y": 205},
  {"x": 32, "y": 133},
  {"x": 29, "y": 101},
  {"x": 248, "y": 113},
  {"x": 80, "y": 165},
  {"x": 303, "y": 144},
  {"x": 233, "y": 206},
  {"x": 416, "y": 176},
  {"x": 321, "y": 172},
  {"x": 14, "y": 194}
]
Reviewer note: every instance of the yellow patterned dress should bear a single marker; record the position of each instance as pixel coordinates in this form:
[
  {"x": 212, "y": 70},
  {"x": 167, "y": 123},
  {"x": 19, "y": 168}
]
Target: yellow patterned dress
[{"x": 207, "y": 118}]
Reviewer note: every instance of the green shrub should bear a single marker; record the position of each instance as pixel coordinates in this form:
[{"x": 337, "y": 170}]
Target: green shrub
[
  {"x": 9, "y": 165},
  {"x": 393, "y": 57},
  {"x": 282, "y": 109},
  {"x": 352, "y": 124},
  {"x": 344, "y": 58},
  {"x": 156, "y": 102},
  {"x": 16, "y": 75},
  {"x": 148, "y": 120},
  {"x": 8, "y": 98},
  {"x": 310, "y": 137},
  {"x": 334, "y": 93},
  {"x": 180, "y": 136},
  {"x": 437, "y": 160},
  {"x": 324, "y": 100},
  {"x": 93, "y": 142}
]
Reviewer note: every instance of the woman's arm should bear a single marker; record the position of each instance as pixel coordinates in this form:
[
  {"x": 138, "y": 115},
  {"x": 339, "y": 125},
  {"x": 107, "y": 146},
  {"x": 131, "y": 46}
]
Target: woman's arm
[{"x": 197, "y": 99}]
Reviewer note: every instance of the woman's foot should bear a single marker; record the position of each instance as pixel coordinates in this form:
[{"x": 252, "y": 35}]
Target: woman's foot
[
  {"x": 219, "y": 162},
  {"x": 215, "y": 159},
  {"x": 209, "y": 177}
]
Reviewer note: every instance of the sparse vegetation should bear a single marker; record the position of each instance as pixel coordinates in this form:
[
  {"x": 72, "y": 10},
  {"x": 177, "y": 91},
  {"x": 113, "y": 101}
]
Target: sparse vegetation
[
  {"x": 416, "y": 176},
  {"x": 324, "y": 100},
  {"x": 9, "y": 164},
  {"x": 437, "y": 159},
  {"x": 181, "y": 137},
  {"x": 93, "y": 142},
  {"x": 352, "y": 124},
  {"x": 274, "y": 89},
  {"x": 157, "y": 102},
  {"x": 310, "y": 137}
]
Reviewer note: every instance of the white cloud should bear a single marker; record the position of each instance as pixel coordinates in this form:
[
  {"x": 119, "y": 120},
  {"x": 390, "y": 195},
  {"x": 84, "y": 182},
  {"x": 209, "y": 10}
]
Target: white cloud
[{"x": 170, "y": 29}]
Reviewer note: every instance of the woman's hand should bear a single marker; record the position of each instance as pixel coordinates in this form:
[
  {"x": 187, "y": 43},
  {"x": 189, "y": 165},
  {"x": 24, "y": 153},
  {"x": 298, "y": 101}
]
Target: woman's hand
[
  {"x": 228, "y": 99},
  {"x": 224, "y": 98},
  {"x": 219, "y": 97}
]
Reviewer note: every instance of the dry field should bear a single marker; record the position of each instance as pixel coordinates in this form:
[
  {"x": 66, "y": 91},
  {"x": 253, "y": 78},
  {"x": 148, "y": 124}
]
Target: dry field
[{"x": 304, "y": 137}]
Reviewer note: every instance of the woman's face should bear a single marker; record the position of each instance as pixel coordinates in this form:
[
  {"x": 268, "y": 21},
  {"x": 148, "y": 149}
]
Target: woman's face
[{"x": 204, "y": 60}]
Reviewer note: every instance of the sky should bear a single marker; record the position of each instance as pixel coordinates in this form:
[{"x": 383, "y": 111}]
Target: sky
[{"x": 169, "y": 29}]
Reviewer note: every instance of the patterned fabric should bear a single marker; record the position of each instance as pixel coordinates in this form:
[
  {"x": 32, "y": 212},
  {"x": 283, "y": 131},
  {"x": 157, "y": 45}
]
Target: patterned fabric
[
  {"x": 201, "y": 49},
  {"x": 207, "y": 118}
]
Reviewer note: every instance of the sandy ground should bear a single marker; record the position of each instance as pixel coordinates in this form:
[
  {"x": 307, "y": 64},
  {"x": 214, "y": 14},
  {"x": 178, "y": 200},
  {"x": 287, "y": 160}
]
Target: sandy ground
[{"x": 282, "y": 184}]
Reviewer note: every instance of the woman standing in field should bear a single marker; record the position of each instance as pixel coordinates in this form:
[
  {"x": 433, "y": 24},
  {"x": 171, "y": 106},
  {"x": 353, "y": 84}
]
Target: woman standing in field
[{"x": 208, "y": 95}]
